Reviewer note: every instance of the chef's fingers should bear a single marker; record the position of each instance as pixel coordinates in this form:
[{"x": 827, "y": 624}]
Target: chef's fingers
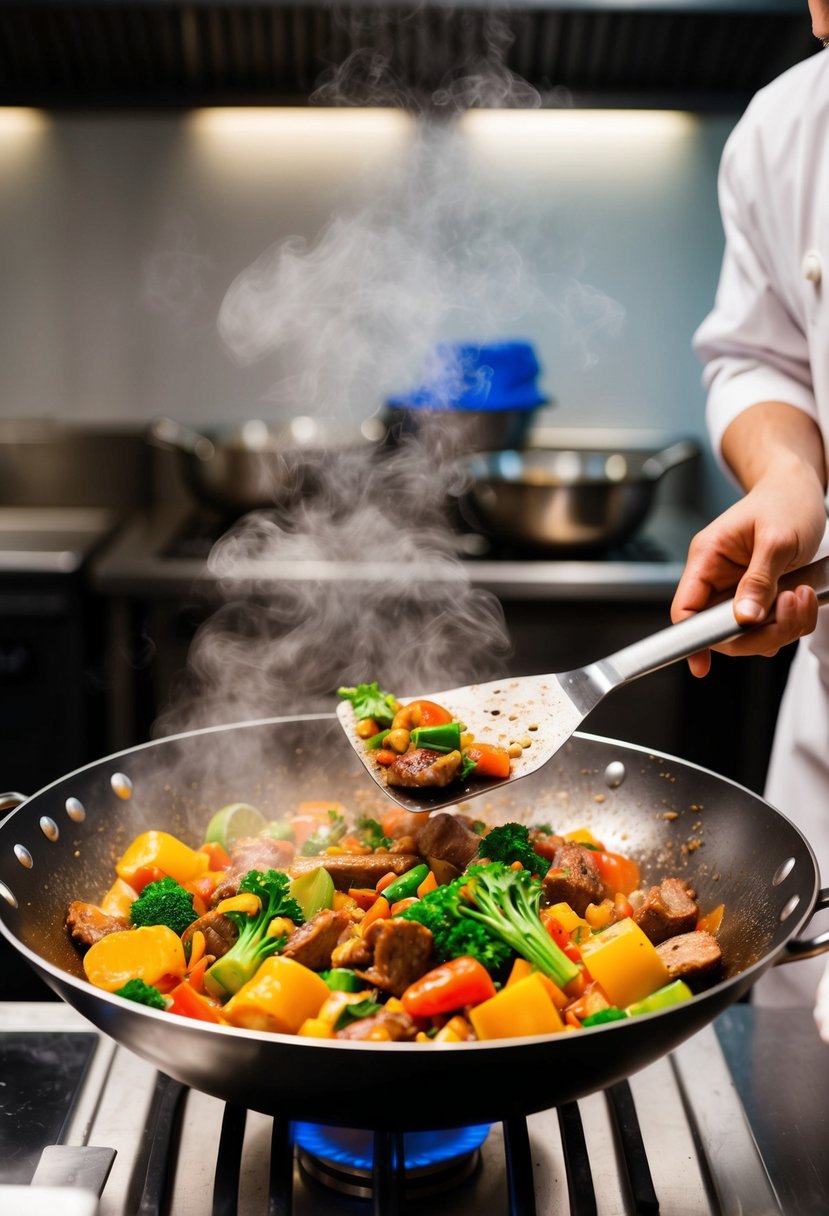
[
  {"x": 705, "y": 575},
  {"x": 757, "y": 589},
  {"x": 795, "y": 615}
]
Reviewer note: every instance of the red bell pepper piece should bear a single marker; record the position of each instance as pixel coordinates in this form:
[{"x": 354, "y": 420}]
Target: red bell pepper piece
[
  {"x": 185, "y": 1001},
  {"x": 461, "y": 981}
]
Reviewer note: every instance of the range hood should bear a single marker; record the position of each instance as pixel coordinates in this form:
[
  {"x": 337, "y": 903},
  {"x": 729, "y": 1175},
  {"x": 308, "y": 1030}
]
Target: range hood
[{"x": 698, "y": 54}]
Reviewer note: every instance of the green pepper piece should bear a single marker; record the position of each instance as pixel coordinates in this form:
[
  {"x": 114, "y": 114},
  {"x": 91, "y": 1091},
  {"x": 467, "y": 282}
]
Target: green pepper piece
[
  {"x": 343, "y": 979},
  {"x": 376, "y": 740},
  {"x": 672, "y": 994},
  {"x": 406, "y": 885},
  {"x": 613, "y": 1014},
  {"x": 445, "y": 738}
]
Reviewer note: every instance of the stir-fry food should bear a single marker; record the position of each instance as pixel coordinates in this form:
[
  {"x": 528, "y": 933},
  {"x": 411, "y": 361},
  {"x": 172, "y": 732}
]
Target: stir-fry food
[
  {"x": 420, "y": 745},
  {"x": 424, "y": 928}
]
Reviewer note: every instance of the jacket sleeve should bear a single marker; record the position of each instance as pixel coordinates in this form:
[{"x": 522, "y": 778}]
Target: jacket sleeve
[{"x": 752, "y": 344}]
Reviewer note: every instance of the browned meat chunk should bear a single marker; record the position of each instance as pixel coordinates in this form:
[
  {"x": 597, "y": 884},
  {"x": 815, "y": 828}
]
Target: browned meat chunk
[
  {"x": 311, "y": 944},
  {"x": 402, "y": 953},
  {"x": 87, "y": 924},
  {"x": 252, "y": 853},
  {"x": 219, "y": 933},
  {"x": 691, "y": 956},
  {"x": 448, "y": 839},
  {"x": 424, "y": 769},
  {"x": 574, "y": 878},
  {"x": 398, "y": 1027},
  {"x": 355, "y": 869},
  {"x": 669, "y": 909}
]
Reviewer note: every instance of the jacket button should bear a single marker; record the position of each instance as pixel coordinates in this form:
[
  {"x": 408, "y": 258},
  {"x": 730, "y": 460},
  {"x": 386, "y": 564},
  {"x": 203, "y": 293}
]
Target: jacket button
[{"x": 812, "y": 266}]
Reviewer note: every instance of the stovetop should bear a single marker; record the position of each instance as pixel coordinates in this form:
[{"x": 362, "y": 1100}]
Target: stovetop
[
  {"x": 165, "y": 550},
  {"x": 735, "y": 1121}
]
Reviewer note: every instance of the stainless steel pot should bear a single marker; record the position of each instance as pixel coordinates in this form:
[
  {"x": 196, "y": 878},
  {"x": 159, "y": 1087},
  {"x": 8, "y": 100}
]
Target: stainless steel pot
[
  {"x": 252, "y": 466},
  {"x": 62, "y": 844},
  {"x": 561, "y": 499}
]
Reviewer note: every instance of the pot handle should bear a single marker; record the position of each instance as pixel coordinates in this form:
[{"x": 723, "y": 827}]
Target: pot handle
[
  {"x": 809, "y": 947},
  {"x": 165, "y": 433},
  {"x": 659, "y": 463}
]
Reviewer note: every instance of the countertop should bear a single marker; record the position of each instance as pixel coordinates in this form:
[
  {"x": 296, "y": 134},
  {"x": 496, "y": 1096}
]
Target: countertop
[{"x": 50, "y": 540}]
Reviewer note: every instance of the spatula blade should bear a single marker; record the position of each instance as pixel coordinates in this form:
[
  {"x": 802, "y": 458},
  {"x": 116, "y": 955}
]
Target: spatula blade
[{"x": 534, "y": 712}]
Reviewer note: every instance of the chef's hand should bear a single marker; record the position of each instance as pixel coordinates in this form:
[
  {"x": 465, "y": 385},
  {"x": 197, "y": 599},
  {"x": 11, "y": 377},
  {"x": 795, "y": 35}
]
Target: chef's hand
[
  {"x": 822, "y": 1006},
  {"x": 775, "y": 528}
]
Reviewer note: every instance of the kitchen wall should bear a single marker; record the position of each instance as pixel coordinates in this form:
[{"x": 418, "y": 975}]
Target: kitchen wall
[{"x": 336, "y": 245}]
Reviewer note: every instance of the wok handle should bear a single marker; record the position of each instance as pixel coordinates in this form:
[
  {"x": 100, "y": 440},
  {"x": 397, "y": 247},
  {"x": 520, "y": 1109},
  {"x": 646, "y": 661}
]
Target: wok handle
[
  {"x": 659, "y": 463},
  {"x": 809, "y": 947}
]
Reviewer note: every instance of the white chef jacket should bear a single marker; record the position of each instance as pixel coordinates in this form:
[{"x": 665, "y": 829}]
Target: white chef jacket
[{"x": 767, "y": 339}]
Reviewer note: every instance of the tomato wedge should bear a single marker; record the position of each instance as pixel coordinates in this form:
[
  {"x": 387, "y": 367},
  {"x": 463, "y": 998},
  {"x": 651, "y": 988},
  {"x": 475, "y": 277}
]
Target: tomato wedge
[
  {"x": 618, "y": 873},
  {"x": 428, "y": 713}
]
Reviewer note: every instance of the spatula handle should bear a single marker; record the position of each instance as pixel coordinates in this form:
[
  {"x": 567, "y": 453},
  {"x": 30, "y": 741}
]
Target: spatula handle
[{"x": 699, "y": 632}]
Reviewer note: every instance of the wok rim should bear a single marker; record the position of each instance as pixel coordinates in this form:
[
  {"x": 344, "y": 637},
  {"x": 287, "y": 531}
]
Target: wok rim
[{"x": 742, "y": 981}]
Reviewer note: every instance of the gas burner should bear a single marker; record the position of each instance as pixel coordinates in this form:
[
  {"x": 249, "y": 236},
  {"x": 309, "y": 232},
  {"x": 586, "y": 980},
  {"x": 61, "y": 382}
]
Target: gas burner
[
  {"x": 675, "y": 1139},
  {"x": 347, "y": 1160}
]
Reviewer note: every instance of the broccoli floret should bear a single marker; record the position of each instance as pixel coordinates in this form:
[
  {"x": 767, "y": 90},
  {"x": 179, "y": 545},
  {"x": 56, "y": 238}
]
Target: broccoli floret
[
  {"x": 511, "y": 842},
  {"x": 506, "y": 902},
  {"x": 164, "y": 903},
  {"x": 325, "y": 835},
  {"x": 142, "y": 994},
  {"x": 370, "y": 701},
  {"x": 453, "y": 933},
  {"x": 254, "y": 944}
]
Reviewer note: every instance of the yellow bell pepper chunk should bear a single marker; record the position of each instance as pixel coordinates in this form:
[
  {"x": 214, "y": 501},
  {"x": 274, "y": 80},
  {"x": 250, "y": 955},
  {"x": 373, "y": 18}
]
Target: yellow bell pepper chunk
[
  {"x": 279, "y": 998},
  {"x": 167, "y": 852},
  {"x": 624, "y": 962},
  {"x": 521, "y": 968},
  {"x": 152, "y": 953},
  {"x": 316, "y": 1028},
  {"x": 518, "y": 1009},
  {"x": 568, "y": 919},
  {"x": 119, "y": 899},
  {"x": 584, "y": 836}
]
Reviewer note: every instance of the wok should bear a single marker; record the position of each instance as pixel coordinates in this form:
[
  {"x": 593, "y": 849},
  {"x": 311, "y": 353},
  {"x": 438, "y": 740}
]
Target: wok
[
  {"x": 62, "y": 844},
  {"x": 558, "y": 499}
]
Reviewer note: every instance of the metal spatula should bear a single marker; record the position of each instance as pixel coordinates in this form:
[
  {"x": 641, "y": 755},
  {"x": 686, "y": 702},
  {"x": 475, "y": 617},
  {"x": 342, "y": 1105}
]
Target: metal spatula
[{"x": 541, "y": 712}]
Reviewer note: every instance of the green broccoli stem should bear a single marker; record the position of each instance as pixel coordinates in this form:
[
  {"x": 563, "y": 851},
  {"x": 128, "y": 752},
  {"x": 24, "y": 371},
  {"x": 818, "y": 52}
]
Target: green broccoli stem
[
  {"x": 230, "y": 972},
  {"x": 505, "y": 906}
]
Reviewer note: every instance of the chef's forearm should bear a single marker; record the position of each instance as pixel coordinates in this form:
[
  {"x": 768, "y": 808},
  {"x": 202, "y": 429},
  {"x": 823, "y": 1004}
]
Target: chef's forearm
[{"x": 772, "y": 438}]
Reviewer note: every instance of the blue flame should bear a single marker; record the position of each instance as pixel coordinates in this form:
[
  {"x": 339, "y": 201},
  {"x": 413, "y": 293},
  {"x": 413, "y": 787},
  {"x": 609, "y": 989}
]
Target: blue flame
[{"x": 351, "y": 1147}]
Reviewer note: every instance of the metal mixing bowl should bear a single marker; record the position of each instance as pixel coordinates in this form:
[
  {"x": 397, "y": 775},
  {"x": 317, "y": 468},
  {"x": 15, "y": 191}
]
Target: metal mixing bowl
[{"x": 565, "y": 499}]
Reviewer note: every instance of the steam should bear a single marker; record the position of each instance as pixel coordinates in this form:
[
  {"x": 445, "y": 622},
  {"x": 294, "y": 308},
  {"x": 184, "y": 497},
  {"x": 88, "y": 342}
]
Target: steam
[
  {"x": 358, "y": 579},
  {"x": 358, "y": 576}
]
